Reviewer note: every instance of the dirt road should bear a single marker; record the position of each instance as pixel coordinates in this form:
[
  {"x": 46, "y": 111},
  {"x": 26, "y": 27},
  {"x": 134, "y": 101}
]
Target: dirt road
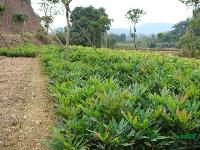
[{"x": 25, "y": 107}]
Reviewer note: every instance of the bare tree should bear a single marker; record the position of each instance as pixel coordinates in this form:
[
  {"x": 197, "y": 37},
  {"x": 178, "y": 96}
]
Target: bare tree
[
  {"x": 66, "y": 4},
  {"x": 47, "y": 19}
]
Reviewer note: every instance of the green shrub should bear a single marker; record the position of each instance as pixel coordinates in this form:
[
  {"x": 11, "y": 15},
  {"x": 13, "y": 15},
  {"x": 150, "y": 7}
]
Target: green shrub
[
  {"x": 123, "y": 100},
  {"x": 19, "y": 18},
  {"x": 2, "y": 8},
  {"x": 20, "y": 51},
  {"x": 42, "y": 35}
]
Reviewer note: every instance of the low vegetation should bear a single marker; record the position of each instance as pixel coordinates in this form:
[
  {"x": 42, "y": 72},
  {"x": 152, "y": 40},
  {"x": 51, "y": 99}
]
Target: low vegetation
[
  {"x": 20, "y": 51},
  {"x": 123, "y": 100}
]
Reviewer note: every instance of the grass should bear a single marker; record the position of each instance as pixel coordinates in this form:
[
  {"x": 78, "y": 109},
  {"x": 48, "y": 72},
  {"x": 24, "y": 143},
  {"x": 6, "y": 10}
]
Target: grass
[
  {"x": 123, "y": 100},
  {"x": 20, "y": 51}
]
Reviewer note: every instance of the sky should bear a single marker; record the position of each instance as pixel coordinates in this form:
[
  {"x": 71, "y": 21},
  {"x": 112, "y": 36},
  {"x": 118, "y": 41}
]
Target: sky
[{"x": 157, "y": 11}]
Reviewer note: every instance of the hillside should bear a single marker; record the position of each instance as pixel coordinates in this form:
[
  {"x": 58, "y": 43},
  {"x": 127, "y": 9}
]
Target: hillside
[
  {"x": 146, "y": 29},
  {"x": 18, "y": 6}
]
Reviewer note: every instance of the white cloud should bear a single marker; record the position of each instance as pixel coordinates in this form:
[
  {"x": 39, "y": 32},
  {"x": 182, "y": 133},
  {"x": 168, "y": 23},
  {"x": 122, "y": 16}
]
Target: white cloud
[{"x": 157, "y": 11}]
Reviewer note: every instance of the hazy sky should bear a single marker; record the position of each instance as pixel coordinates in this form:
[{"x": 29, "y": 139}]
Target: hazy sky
[{"x": 158, "y": 11}]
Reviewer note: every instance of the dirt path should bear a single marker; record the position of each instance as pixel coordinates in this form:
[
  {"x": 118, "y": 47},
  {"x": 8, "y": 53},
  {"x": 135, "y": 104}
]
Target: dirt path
[{"x": 25, "y": 107}]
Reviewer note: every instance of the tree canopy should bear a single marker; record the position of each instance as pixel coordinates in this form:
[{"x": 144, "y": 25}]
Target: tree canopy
[
  {"x": 94, "y": 22},
  {"x": 134, "y": 15}
]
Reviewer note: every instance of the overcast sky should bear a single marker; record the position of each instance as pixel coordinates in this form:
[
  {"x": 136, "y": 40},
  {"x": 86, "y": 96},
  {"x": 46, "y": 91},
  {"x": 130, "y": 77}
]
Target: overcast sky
[{"x": 157, "y": 11}]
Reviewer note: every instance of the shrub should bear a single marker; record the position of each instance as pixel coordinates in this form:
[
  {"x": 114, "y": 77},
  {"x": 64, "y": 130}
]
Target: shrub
[
  {"x": 2, "y": 8},
  {"x": 42, "y": 35}
]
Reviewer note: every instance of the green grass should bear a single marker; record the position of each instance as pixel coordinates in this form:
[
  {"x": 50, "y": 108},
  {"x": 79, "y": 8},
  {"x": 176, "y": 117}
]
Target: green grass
[
  {"x": 20, "y": 51},
  {"x": 123, "y": 100}
]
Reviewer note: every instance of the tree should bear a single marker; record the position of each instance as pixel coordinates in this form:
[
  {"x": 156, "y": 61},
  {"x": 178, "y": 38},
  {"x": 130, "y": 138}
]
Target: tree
[
  {"x": 66, "y": 4},
  {"x": 47, "y": 19},
  {"x": 134, "y": 16},
  {"x": 153, "y": 41},
  {"x": 109, "y": 41},
  {"x": 94, "y": 22},
  {"x": 190, "y": 40},
  {"x": 180, "y": 28},
  {"x": 49, "y": 13},
  {"x": 20, "y": 19},
  {"x": 160, "y": 37},
  {"x": 194, "y": 4}
]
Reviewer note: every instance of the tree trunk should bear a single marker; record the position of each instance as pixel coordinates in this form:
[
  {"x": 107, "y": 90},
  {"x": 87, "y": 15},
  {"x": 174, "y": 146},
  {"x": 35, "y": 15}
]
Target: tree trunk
[
  {"x": 106, "y": 38},
  {"x": 67, "y": 34},
  {"x": 134, "y": 38},
  {"x": 56, "y": 37}
]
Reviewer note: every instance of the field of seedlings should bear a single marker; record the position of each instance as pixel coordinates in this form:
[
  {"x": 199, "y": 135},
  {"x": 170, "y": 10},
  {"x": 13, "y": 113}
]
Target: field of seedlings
[
  {"x": 123, "y": 100},
  {"x": 27, "y": 50}
]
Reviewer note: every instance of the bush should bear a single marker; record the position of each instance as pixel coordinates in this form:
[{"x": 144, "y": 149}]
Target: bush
[
  {"x": 2, "y": 8},
  {"x": 42, "y": 35},
  {"x": 19, "y": 18}
]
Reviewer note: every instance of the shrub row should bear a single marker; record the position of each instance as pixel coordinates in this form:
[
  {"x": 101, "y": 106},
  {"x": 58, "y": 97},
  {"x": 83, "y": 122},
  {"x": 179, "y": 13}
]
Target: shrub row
[
  {"x": 124, "y": 100},
  {"x": 20, "y": 51}
]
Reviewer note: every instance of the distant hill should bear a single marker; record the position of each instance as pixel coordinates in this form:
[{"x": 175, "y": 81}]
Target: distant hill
[{"x": 146, "y": 29}]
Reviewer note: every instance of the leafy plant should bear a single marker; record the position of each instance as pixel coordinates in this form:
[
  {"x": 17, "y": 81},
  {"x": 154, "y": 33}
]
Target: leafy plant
[
  {"x": 20, "y": 51},
  {"x": 123, "y": 100}
]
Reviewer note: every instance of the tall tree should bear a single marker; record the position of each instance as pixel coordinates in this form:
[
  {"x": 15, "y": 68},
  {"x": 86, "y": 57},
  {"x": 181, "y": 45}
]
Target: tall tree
[
  {"x": 134, "y": 15},
  {"x": 195, "y": 4},
  {"x": 94, "y": 22},
  {"x": 66, "y": 4},
  {"x": 190, "y": 39},
  {"x": 48, "y": 11},
  {"x": 47, "y": 19}
]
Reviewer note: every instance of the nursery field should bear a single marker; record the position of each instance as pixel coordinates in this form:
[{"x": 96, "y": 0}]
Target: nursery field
[
  {"x": 123, "y": 100},
  {"x": 104, "y": 99}
]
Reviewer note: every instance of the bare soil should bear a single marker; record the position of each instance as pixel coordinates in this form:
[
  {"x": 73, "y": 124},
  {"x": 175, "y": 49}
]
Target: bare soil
[{"x": 25, "y": 107}]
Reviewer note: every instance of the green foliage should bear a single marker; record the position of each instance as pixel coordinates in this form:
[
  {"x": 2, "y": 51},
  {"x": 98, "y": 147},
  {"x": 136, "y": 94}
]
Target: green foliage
[
  {"x": 47, "y": 20},
  {"x": 123, "y": 100},
  {"x": 134, "y": 15},
  {"x": 19, "y": 18},
  {"x": 49, "y": 11},
  {"x": 61, "y": 36},
  {"x": 179, "y": 30},
  {"x": 109, "y": 40},
  {"x": 20, "y": 51},
  {"x": 190, "y": 40},
  {"x": 94, "y": 22},
  {"x": 187, "y": 42},
  {"x": 42, "y": 35},
  {"x": 2, "y": 8},
  {"x": 191, "y": 3}
]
